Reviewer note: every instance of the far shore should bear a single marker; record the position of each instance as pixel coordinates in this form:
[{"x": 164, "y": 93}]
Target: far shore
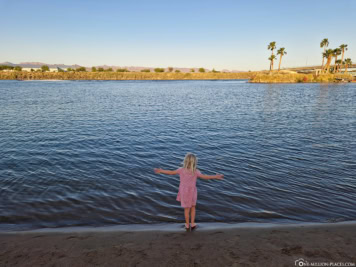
[
  {"x": 253, "y": 77},
  {"x": 265, "y": 245},
  {"x": 74, "y": 75},
  {"x": 281, "y": 77}
]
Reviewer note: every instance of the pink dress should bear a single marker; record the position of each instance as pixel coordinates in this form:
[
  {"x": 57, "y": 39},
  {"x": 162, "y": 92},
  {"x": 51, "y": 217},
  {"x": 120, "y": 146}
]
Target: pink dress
[{"x": 187, "y": 194}]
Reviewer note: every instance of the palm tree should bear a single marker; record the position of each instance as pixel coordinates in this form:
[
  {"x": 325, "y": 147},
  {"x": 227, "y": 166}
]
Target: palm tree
[
  {"x": 271, "y": 58},
  {"x": 324, "y": 43},
  {"x": 338, "y": 62},
  {"x": 347, "y": 63},
  {"x": 271, "y": 46},
  {"x": 343, "y": 48},
  {"x": 324, "y": 55},
  {"x": 328, "y": 54},
  {"x": 336, "y": 53},
  {"x": 281, "y": 52}
]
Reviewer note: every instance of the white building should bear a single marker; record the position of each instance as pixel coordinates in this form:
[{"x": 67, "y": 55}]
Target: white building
[
  {"x": 39, "y": 69},
  {"x": 29, "y": 69}
]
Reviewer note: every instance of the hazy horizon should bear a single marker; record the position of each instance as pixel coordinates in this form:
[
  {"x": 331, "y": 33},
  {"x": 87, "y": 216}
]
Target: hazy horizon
[{"x": 229, "y": 35}]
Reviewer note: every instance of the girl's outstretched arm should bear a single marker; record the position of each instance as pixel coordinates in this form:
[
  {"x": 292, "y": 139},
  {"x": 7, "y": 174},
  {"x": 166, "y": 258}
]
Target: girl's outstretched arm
[
  {"x": 206, "y": 177},
  {"x": 158, "y": 170}
]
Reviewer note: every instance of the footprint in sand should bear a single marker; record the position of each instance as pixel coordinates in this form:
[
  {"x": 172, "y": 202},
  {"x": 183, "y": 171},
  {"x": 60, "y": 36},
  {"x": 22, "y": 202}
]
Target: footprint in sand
[
  {"x": 216, "y": 233},
  {"x": 292, "y": 250},
  {"x": 37, "y": 236},
  {"x": 77, "y": 237},
  {"x": 279, "y": 231},
  {"x": 197, "y": 247}
]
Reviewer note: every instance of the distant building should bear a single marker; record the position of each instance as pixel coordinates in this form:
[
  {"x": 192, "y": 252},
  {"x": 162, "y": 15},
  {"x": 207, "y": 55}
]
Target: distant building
[
  {"x": 352, "y": 71},
  {"x": 30, "y": 69},
  {"x": 318, "y": 71},
  {"x": 39, "y": 69}
]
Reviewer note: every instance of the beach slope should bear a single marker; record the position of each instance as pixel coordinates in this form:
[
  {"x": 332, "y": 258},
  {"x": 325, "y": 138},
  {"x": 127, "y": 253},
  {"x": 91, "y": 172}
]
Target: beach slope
[{"x": 221, "y": 246}]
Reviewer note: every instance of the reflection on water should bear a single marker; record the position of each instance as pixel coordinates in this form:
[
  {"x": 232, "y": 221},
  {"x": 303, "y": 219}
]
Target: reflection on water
[{"x": 82, "y": 153}]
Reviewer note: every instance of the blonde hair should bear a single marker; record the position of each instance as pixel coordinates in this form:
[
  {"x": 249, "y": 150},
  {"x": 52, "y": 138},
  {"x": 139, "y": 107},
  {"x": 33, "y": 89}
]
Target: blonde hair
[{"x": 190, "y": 162}]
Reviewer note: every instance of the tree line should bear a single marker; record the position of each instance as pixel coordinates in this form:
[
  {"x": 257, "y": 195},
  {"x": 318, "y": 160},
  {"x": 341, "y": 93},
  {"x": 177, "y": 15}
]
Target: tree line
[
  {"x": 281, "y": 52},
  {"x": 45, "y": 68},
  {"x": 327, "y": 54},
  {"x": 6, "y": 67}
]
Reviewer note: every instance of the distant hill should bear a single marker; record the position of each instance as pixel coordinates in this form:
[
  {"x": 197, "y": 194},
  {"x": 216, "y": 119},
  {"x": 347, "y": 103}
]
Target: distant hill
[
  {"x": 39, "y": 64},
  {"x": 130, "y": 68}
]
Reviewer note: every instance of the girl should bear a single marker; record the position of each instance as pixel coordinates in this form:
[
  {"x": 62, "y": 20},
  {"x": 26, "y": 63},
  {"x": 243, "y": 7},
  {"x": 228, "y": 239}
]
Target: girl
[{"x": 187, "y": 194}]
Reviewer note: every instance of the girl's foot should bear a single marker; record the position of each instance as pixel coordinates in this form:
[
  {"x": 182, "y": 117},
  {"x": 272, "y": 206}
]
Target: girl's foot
[
  {"x": 193, "y": 226},
  {"x": 187, "y": 227}
]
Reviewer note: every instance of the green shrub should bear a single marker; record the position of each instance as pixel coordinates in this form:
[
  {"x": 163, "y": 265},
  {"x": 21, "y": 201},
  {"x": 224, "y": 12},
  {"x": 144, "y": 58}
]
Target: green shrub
[
  {"x": 159, "y": 70},
  {"x": 6, "y": 67},
  {"x": 44, "y": 68},
  {"x": 81, "y": 69},
  {"x": 122, "y": 70}
]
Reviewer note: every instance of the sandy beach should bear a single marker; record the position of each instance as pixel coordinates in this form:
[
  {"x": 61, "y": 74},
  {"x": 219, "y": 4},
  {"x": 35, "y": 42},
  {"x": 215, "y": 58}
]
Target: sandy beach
[{"x": 214, "y": 245}]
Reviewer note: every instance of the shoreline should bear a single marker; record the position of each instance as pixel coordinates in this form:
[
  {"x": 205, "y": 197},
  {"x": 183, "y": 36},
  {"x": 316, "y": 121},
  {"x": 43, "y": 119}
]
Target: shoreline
[
  {"x": 276, "y": 77},
  {"x": 24, "y": 75},
  {"x": 175, "y": 227},
  {"x": 252, "y": 77},
  {"x": 211, "y": 244},
  {"x": 157, "y": 80}
]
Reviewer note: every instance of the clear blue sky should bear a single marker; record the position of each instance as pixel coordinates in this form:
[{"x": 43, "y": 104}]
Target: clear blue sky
[{"x": 197, "y": 33}]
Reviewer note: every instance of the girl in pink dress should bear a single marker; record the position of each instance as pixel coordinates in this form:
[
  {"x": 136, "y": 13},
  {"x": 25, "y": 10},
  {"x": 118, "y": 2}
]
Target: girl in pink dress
[{"x": 187, "y": 194}]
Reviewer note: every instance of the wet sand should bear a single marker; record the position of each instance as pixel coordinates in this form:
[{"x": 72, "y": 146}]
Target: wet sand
[{"x": 209, "y": 245}]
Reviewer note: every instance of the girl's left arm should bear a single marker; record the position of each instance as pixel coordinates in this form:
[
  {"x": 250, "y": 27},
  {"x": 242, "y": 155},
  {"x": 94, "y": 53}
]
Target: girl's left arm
[
  {"x": 158, "y": 170},
  {"x": 207, "y": 177}
]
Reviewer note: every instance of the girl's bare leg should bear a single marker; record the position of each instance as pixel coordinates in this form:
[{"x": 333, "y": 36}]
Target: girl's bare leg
[
  {"x": 186, "y": 215},
  {"x": 192, "y": 215}
]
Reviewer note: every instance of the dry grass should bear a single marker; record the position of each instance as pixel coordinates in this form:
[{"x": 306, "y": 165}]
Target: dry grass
[
  {"x": 23, "y": 75},
  {"x": 298, "y": 78},
  {"x": 255, "y": 77}
]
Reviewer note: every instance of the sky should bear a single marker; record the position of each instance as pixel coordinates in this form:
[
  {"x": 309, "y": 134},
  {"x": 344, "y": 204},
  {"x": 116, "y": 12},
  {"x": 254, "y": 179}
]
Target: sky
[{"x": 223, "y": 34}]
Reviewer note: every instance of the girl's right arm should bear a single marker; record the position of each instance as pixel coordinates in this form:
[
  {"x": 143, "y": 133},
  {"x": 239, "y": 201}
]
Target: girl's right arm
[
  {"x": 158, "y": 170},
  {"x": 207, "y": 177}
]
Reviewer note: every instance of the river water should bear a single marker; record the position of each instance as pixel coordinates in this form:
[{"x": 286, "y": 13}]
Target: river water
[{"x": 82, "y": 153}]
